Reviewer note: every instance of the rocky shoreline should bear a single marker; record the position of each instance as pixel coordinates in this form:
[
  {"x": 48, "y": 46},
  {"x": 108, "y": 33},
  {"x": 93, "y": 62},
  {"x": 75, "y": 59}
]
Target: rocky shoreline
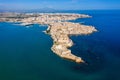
[
  {"x": 58, "y": 27},
  {"x": 60, "y": 33}
]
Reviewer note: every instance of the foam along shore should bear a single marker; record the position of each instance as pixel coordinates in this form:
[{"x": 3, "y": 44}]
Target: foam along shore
[
  {"x": 26, "y": 24},
  {"x": 59, "y": 28}
]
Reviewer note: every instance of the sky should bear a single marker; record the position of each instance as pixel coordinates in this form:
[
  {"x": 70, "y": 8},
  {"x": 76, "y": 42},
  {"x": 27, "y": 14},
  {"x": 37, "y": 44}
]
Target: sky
[{"x": 60, "y": 4}]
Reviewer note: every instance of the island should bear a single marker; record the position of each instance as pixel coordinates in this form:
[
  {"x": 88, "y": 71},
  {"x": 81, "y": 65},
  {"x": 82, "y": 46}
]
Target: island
[{"x": 60, "y": 28}]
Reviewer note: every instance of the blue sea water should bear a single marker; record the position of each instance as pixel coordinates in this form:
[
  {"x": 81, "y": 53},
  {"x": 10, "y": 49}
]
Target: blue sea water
[{"x": 25, "y": 53}]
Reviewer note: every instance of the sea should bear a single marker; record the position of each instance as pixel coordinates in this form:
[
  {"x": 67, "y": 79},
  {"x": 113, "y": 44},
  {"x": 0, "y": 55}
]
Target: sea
[{"x": 25, "y": 52}]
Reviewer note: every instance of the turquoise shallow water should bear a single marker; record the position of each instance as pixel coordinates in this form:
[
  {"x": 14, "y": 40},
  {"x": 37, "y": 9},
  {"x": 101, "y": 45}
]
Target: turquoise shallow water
[{"x": 25, "y": 53}]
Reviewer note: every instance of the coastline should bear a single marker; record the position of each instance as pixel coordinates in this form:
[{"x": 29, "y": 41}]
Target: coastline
[{"x": 58, "y": 27}]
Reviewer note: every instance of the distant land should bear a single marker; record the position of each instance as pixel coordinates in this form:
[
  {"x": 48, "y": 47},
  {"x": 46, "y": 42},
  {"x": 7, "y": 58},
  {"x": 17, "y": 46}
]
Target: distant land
[
  {"x": 48, "y": 10},
  {"x": 29, "y": 10}
]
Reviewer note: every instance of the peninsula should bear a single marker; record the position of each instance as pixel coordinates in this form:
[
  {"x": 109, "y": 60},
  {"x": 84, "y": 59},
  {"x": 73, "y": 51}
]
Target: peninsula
[{"x": 59, "y": 27}]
